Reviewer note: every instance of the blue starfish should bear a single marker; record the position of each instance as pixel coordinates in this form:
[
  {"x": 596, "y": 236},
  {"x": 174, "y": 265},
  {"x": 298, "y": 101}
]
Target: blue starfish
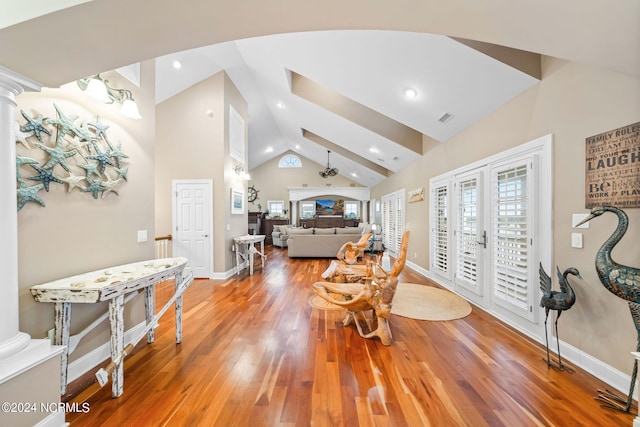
[
  {"x": 103, "y": 159},
  {"x": 118, "y": 154},
  {"x": 84, "y": 133},
  {"x": 122, "y": 173},
  {"x": 34, "y": 125},
  {"x": 29, "y": 194},
  {"x": 46, "y": 176},
  {"x": 23, "y": 161},
  {"x": 57, "y": 156},
  {"x": 101, "y": 128},
  {"x": 94, "y": 187},
  {"x": 64, "y": 123},
  {"x": 91, "y": 169}
]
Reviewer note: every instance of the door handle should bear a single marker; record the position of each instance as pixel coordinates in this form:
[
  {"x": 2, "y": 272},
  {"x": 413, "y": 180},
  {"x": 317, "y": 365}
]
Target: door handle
[
  {"x": 205, "y": 235},
  {"x": 484, "y": 239}
]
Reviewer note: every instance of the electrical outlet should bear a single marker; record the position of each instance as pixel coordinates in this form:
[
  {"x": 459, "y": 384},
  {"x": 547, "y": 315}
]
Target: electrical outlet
[{"x": 415, "y": 255}]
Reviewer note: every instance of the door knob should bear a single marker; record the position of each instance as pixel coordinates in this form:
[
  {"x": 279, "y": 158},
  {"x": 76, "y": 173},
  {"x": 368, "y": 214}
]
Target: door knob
[
  {"x": 483, "y": 242},
  {"x": 205, "y": 235}
]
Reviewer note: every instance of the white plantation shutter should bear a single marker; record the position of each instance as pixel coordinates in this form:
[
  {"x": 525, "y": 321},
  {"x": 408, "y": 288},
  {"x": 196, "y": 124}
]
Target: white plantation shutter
[
  {"x": 393, "y": 221},
  {"x": 399, "y": 213},
  {"x": 467, "y": 231},
  {"x": 512, "y": 237},
  {"x": 440, "y": 230}
]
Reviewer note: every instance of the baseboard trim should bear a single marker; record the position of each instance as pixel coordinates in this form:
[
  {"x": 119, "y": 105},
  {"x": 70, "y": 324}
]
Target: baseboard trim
[
  {"x": 55, "y": 419},
  {"x": 85, "y": 363}
]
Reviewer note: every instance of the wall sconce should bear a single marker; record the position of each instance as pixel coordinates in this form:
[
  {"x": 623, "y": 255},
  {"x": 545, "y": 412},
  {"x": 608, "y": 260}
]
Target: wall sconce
[
  {"x": 97, "y": 88},
  {"x": 239, "y": 170}
]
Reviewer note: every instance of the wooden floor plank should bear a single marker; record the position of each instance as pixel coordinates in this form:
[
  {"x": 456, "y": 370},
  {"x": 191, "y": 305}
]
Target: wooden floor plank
[{"x": 256, "y": 353}]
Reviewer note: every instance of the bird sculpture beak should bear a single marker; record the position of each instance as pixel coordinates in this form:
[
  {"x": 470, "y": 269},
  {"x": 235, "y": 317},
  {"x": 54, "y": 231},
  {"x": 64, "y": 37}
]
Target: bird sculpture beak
[{"x": 587, "y": 219}]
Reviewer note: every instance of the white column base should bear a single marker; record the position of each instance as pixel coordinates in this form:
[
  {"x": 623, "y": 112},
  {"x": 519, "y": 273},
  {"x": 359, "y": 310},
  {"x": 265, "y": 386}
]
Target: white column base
[
  {"x": 14, "y": 345},
  {"x": 36, "y": 352}
]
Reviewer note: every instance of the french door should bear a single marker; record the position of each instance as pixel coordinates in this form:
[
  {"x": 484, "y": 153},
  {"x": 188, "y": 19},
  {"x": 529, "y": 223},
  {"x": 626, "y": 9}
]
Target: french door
[
  {"x": 486, "y": 231},
  {"x": 470, "y": 233},
  {"x": 513, "y": 230}
]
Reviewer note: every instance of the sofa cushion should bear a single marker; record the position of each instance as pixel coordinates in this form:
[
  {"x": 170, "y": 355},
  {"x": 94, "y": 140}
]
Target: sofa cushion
[
  {"x": 300, "y": 231},
  {"x": 331, "y": 230},
  {"x": 349, "y": 230}
]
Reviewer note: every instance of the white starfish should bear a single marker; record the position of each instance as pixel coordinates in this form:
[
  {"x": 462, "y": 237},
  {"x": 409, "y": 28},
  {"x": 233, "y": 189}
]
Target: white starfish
[
  {"x": 111, "y": 186},
  {"x": 21, "y": 137},
  {"x": 73, "y": 181}
]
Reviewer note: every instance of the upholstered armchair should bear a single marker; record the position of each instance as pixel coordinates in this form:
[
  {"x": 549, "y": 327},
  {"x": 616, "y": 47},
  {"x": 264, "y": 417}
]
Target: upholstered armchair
[{"x": 280, "y": 236}]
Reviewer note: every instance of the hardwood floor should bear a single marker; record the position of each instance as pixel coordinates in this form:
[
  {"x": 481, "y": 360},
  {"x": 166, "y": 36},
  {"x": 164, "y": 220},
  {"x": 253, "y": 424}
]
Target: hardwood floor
[{"x": 255, "y": 353}]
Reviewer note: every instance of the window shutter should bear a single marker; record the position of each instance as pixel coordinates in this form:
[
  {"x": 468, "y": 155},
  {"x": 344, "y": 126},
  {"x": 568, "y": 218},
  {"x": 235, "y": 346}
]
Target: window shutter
[
  {"x": 511, "y": 238},
  {"x": 467, "y": 246},
  {"x": 440, "y": 232}
]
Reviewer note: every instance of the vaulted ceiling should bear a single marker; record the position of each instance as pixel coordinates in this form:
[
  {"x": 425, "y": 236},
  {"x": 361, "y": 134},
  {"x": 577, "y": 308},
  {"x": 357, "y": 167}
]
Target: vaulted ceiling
[{"x": 344, "y": 91}]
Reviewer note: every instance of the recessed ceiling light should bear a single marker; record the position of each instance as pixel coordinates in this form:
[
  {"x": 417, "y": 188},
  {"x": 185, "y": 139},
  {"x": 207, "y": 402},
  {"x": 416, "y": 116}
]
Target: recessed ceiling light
[
  {"x": 297, "y": 146},
  {"x": 353, "y": 174},
  {"x": 279, "y": 104},
  {"x": 177, "y": 65},
  {"x": 410, "y": 93},
  {"x": 269, "y": 150},
  {"x": 373, "y": 150}
]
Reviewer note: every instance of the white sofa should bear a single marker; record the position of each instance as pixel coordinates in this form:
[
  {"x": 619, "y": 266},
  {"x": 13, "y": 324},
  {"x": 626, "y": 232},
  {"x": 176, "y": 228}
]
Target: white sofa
[{"x": 320, "y": 242}]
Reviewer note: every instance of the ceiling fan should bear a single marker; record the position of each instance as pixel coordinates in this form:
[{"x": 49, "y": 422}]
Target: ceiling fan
[{"x": 328, "y": 171}]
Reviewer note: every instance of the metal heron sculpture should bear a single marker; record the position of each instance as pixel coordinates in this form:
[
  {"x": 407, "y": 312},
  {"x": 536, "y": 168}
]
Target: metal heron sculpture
[
  {"x": 556, "y": 300},
  {"x": 624, "y": 282}
]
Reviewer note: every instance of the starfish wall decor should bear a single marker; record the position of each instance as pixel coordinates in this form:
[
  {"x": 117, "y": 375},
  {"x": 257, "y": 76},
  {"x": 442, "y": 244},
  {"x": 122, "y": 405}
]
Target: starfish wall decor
[{"x": 78, "y": 155}]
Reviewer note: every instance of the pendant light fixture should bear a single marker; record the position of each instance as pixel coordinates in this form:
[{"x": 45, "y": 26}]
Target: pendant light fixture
[{"x": 328, "y": 171}]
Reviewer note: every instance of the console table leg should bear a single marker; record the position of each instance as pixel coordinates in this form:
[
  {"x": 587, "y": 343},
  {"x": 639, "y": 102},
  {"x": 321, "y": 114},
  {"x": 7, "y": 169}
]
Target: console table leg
[
  {"x": 116, "y": 318},
  {"x": 150, "y": 309},
  {"x": 178, "y": 310},
  {"x": 61, "y": 337}
]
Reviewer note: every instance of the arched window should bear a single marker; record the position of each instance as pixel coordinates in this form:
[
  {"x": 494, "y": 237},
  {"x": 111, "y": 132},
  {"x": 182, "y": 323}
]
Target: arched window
[{"x": 290, "y": 161}]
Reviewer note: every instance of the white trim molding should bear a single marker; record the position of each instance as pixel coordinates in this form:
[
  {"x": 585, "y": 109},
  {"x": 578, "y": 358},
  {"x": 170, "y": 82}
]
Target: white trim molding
[{"x": 353, "y": 193}]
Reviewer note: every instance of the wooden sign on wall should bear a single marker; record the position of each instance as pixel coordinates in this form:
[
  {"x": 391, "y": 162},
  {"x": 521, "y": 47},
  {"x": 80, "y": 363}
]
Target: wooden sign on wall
[{"x": 613, "y": 168}]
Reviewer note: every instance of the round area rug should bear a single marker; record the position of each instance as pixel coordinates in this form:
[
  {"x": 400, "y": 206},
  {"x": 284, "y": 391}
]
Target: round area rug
[{"x": 424, "y": 302}]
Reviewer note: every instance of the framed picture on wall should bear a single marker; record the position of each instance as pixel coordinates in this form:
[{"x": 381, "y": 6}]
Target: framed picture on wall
[{"x": 237, "y": 202}]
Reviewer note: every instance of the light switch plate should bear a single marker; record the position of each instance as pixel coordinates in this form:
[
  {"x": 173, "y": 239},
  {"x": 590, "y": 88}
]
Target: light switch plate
[
  {"x": 142, "y": 236},
  {"x": 576, "y": 240},
  {"x": 577, "y": 218}
]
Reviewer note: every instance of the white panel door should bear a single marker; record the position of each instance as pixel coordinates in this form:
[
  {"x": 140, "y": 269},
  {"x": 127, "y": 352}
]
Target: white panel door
[{"x": 193, "y": 225}]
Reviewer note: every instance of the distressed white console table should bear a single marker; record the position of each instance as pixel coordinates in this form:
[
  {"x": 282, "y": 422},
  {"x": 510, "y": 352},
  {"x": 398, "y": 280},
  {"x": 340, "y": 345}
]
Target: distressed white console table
[
  {"x": 245, "y": 249},
  {"x": 112, "y": 284}
]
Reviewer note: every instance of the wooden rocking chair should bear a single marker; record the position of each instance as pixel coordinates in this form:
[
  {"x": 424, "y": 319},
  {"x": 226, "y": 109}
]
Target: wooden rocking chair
[{"x": 375, "y": 294}]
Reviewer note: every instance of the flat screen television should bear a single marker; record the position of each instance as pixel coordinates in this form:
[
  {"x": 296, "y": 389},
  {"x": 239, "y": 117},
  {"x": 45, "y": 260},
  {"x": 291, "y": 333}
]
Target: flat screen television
[{"x": 326, "y": 207}]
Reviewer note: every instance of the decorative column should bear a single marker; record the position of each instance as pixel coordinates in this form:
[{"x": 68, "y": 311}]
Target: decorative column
[
  {"x": 294, "y": 213},
  {"x": 11, "y": 339},
  {"x": 364, "y": 212}
]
